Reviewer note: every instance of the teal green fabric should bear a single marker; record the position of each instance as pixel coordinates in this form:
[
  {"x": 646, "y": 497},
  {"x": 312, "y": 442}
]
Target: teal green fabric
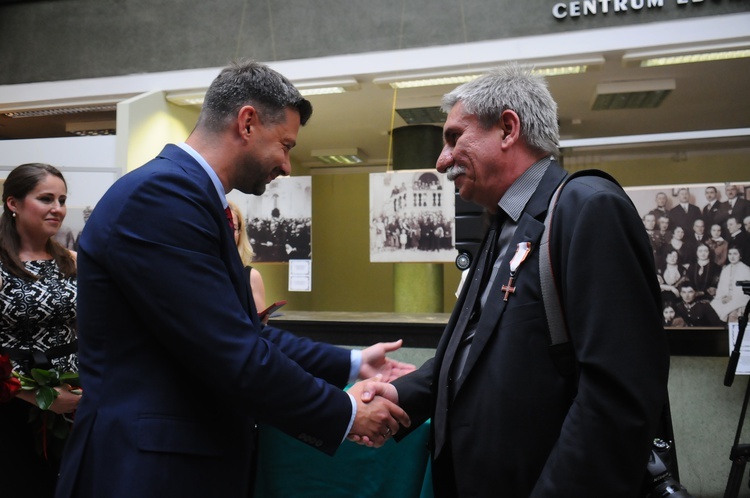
[{"x": 289, "y": 468}]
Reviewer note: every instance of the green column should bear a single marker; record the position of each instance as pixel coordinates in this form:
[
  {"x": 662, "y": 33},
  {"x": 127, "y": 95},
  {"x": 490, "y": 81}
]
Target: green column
[{"x": 417, "y": 287}]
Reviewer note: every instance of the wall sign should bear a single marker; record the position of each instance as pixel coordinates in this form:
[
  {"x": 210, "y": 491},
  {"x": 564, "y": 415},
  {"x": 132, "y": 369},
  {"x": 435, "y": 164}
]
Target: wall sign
[{"x": 595, "y": 7}]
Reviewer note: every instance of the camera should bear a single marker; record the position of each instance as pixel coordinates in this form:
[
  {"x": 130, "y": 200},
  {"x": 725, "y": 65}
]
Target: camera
[{"x": 660, "y": 481}]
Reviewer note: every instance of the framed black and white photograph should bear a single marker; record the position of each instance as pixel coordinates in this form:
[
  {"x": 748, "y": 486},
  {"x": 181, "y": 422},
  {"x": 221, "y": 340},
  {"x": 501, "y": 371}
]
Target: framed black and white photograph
[
  {"x": 700, "y": 240},
  {"x": 279, "y": 222},
  {"x": 411, "y": 217}
]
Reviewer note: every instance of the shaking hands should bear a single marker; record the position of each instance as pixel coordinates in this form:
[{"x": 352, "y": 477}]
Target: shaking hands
[{"x": 378, "y": 414}]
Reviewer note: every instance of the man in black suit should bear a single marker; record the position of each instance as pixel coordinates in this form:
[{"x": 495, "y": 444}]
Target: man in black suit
[
  {"x": 505, "y": 421},
  {"x": 692, "y": 241},
  {"x": 714, "y": 212},
  {"x": 654, "y": 237},
  {"x": 684, "y": 213},
  {"x": 661, "y": 208},
  {"x": 736, "y": 205},
  {"x": 739, "y": 238}
]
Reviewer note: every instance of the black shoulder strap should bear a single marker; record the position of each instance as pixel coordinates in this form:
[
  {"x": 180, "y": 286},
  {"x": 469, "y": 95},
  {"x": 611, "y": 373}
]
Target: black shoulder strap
[{"x": 560, "y": 347}]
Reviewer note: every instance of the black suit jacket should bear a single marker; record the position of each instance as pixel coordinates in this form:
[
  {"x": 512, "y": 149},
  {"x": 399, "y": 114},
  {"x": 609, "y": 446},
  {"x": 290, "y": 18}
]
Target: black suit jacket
[
  {"x": 742, "y": 242},
  {"x": 514, "y": 428},
  {"x": 680, "y": 218},
  {"x": 715, "y": 215},
  {"x": 741, "y": 209}
]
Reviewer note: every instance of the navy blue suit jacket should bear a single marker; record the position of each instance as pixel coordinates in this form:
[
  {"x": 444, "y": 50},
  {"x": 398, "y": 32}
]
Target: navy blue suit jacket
[
  {"x": 176, "y": 368},
  {"x": 514, "y": 427}
]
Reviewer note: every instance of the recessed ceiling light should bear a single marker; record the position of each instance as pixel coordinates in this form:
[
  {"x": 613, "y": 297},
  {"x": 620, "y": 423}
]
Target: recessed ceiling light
[{"x": 340, "y": 156}]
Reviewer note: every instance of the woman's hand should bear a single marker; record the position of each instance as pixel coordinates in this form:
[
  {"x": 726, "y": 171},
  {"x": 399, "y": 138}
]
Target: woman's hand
[{"x": 66, "y": 401}]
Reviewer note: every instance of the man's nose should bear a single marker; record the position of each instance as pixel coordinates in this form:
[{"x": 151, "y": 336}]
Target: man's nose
[
  {"x": 286, "y": 168},
  {"x": 444, "y": 160}
]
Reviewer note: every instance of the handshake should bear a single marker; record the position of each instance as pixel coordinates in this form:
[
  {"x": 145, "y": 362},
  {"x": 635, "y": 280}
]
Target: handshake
[{"x": 378, "y": 414}]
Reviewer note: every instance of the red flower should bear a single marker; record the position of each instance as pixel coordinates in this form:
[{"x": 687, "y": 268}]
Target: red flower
[{"x": 9, "y": 385}]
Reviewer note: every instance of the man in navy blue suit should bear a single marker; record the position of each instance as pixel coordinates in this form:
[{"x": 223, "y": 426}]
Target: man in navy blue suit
[{"x": 176, "y": 366}]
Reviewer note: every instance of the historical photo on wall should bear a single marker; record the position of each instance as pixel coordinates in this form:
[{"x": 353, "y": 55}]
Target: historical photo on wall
[
  {"x": 279, "y": 222},
  {"x": 700, "y": 239},
  {"x": 411, "y": 217}
]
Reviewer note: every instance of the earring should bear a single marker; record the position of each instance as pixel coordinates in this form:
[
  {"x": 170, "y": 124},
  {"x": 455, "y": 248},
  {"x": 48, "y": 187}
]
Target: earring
[{"x": 14, "y": 214}]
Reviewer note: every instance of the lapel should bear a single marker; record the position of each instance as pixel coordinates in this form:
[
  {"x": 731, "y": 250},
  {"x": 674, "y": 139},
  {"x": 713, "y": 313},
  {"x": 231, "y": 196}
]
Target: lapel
[
  {"x": 229, "y": 252},
  {"x": 451, "y": 325},
  {"x": 530, "y": 229}
]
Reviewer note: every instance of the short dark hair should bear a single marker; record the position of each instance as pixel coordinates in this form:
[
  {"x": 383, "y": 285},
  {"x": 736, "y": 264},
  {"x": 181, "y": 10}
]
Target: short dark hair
[
  {"x": 251, "y": 83},
  {"x": 685, "y": 285}
]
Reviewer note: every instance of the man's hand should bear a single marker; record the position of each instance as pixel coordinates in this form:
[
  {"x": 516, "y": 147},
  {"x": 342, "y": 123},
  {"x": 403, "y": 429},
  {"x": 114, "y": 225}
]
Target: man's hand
[
  {"x": 379, "y": 418},
  {"x": 375, "y": 362}
]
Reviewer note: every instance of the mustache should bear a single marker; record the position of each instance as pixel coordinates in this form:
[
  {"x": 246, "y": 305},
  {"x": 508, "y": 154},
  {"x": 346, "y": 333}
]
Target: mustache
[{"x": 454, "y": 171}]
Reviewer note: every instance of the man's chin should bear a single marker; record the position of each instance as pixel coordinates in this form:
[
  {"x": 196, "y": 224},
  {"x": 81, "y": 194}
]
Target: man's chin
[
  {"x": 463, "y": 191},
  {"x": 257, "y": 189}
]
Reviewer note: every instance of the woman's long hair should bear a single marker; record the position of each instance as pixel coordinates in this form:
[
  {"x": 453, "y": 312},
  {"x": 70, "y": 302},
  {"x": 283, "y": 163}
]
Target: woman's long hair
[
  {"x": 22, "y": 180},
  {"x": 243, "y": 244}
]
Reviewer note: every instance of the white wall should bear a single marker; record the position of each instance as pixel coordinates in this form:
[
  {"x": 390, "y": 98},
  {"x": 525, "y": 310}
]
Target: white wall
[{"x": 88, "y": 163}]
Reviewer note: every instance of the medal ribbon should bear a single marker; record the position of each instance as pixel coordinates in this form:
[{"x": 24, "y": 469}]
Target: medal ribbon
[{"x": 522, "y": 250}]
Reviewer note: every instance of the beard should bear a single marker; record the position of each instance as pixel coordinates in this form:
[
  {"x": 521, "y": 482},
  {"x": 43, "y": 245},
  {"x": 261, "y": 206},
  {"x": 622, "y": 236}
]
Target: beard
[{"x": 252, "y": 178}]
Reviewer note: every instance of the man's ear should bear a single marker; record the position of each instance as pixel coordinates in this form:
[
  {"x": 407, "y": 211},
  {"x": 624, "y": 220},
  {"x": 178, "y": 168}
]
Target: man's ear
[
  {"x": 247, "y": 117},
  {"x": 510, "y": 125}
]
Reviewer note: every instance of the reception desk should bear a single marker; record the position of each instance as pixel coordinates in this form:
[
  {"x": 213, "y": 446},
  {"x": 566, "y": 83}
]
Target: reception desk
[
  {"x": 423, "y": 330},
  {"x": 289, "y": 468}
]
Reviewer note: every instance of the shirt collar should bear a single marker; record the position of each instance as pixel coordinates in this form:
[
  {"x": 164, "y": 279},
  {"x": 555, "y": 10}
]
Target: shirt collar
[
  {"x": 515, "y": 199},
  {"x": 209, "y": 171}
]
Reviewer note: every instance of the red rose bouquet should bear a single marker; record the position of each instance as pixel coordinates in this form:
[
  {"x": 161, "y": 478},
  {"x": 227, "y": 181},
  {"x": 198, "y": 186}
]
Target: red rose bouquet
[
  {"x": 43, "y": 383},
  {"x": 9, "y": 383}
]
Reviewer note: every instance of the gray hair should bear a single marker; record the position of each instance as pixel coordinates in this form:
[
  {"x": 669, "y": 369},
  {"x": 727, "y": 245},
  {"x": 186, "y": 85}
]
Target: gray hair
[
  {"x": 518, "y": 89},
  {"x": 250, "y": 83}
]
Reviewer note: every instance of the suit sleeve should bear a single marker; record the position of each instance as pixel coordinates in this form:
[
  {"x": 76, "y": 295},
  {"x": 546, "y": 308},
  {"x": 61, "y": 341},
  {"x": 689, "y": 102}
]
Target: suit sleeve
[
  {"x": 415, "y": 396},
  {"x": 314, "y": 357},
  {"x": 605, "y": 276},
  {"x": 165, "y": 251}
]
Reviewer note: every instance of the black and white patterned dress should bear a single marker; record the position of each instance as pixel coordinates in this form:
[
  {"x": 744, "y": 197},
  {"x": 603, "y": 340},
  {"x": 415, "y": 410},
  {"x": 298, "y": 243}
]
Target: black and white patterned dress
[
  {"x": 39, "y": 315},
  {"x": 34, "y": 315}
]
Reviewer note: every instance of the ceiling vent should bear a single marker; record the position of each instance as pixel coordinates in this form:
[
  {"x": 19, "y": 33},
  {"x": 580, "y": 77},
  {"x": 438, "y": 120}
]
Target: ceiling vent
[
  {"x": 646, "y": 94},
  {"x": 422, "y": 115}
]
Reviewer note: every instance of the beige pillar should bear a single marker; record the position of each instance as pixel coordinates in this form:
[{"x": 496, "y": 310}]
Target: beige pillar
[{"x": 418, "y": 287}]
